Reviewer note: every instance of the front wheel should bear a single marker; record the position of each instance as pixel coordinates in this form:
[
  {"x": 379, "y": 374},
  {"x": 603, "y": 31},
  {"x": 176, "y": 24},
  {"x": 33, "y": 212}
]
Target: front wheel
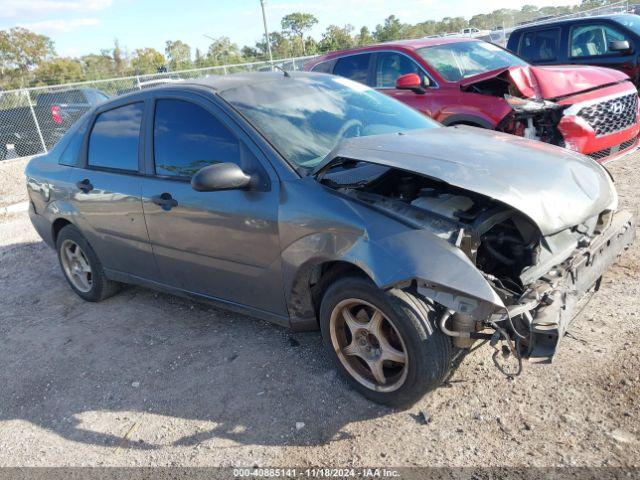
[{"x": 384, "y": 342}]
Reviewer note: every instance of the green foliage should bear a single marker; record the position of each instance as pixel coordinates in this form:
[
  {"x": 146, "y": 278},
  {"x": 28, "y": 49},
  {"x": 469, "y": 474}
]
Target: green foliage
[
  {"x": 364, "y": 37},
  {"x": 336, "y": 38},
  {"x": 179, "y": 55},
  {"x": 58, "y": 70},
  {"x": 223, "y": 52},
  {"x": 392, "y": 29},
  {"x": 20, "y": 51},
  {"x": 295, "y": 25},
  {"x": 147, "y": 60}
]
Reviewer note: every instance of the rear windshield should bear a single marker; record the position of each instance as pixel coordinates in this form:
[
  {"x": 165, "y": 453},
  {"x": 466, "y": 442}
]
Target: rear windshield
[{"x": 456, "y": 61}]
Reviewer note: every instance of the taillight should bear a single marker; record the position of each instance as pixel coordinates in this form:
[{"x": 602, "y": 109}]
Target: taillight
[{"x": 55, "y": 114}]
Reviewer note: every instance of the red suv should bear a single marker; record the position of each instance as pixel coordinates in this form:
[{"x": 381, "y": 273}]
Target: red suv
[{"x": 591, "y": 110}]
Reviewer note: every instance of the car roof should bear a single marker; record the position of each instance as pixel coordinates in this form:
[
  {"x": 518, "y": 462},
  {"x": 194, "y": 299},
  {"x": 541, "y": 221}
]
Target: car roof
[
  {"x": 413, "y": 44},
  {"x": 570, "y": 21},
  {"x": 220, "y": 83}
]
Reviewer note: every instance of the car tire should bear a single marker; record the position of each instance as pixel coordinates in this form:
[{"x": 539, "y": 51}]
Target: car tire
[
  {"x": 408, "y": 327},
  {"x": 81, "y": 266}
]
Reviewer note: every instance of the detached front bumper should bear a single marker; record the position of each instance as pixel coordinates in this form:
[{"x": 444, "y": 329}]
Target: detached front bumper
[{"x": 558, "y": 292}]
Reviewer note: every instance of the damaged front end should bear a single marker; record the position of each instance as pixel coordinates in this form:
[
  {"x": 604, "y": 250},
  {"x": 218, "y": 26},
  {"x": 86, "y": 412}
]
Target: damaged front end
[
  {"x": 594, "y": 112},
  {"x": 539, "y": 274}
]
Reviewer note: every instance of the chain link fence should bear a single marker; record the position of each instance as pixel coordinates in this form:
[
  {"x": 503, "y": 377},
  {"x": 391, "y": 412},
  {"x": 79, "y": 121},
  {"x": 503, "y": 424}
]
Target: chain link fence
[{"x": 32, "y": 120}]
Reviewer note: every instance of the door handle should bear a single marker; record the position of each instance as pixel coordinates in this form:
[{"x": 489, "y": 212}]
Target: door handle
[
  {"x": 164, "y": 201},
  {"x": 84, "y": 185}
]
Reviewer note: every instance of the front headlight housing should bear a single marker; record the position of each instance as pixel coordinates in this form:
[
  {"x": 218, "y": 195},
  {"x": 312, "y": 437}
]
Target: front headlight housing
[{"x": 525, "y": 105}]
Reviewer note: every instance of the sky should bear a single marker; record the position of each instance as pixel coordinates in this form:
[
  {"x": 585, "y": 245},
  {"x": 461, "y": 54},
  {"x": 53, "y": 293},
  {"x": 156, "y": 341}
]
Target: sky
[{"x": 80, "y": 27}]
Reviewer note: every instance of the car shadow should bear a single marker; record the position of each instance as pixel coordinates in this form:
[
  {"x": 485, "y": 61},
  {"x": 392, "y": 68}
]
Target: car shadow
[{"x": 145, "y": 370}]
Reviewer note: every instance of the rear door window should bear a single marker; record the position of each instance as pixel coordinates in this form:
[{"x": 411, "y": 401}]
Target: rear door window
[
  {"x": 354, "y": 67},
  {"x": 593, "y": 40},
  {"x": 540, "y": 45},
  {"x": 391, "y": 65},
  {"x": 187, "y": 137},
  {"x": 115, "y": 137}
]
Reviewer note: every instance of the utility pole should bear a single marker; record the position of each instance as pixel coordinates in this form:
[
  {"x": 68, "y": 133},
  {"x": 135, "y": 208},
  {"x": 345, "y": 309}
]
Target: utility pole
[{"x": 266, "y": 33}]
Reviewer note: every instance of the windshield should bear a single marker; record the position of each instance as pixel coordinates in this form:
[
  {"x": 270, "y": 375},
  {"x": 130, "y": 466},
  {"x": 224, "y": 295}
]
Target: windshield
[
  {"x": 459, "y": 60},
  {"x": 632, "y": 22},
  {"x": 305, "y": 117}
]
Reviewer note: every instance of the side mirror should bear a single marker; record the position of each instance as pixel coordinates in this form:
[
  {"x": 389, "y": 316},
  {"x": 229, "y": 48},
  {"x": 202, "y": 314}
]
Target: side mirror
[
  {"x": 619, "y": 46},
  {"x": 220, "y": 176},
  {"x": 410, "y": 81}
]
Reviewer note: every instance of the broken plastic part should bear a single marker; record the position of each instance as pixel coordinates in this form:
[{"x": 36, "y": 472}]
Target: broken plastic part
[{"x": 523, "y": 105}]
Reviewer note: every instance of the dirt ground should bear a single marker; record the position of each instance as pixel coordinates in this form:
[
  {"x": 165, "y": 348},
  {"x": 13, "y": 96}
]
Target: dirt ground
[{"x": 149, "y": 379}]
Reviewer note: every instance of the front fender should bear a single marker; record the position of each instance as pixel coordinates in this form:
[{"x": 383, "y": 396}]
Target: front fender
[{"x": 442, "y": 271}]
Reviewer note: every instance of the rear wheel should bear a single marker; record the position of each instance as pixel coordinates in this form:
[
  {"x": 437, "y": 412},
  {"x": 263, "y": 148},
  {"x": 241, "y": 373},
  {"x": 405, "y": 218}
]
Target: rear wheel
[
  {"x": 81, "y": 266},
  {"x": 383, "y": 342}
]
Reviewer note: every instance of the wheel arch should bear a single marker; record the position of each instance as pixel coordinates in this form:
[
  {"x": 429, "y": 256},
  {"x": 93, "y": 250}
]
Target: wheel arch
[
  {"x": 309, "y": 284},
  {"x": 57, "y": 225}
]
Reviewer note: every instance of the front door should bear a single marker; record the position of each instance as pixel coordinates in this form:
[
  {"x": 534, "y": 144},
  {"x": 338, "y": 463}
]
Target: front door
[
  {"x": 221, "y": 244},
  {"x": 391, "y": 65},
  {"x": 590, "y": 45}
]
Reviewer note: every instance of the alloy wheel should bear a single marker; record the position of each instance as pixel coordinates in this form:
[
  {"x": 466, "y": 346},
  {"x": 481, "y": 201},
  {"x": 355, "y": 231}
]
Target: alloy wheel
[
  {"x": 76, "y": 266},
  {"x": 368, "y": 345}
]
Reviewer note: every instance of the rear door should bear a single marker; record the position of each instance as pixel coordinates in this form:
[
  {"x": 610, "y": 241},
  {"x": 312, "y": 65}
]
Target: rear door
[
  {"x": 355, "y": 67},
  {"x": 589, "y": 45},
  {"x": 541, "y": 46},
  {"x": 221, "y": 244},
  {"x": 106, "y": 191}
]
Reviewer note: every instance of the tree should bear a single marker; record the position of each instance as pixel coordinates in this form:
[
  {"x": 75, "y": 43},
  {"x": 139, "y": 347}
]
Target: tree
[
  {"x": 147, "y": 60},
  {"x": 392, "y": 29},
  {"x": 59, "y": 70},
  {"x": 179, "y": 54},
  {"x": 280, "y": 46},
  {"x": 364, "y": 37},
  {"x": 222, "y": 52},
  {"x": 21, "y": 49},
  {"x": 336, "y": 38},
  {"x": 118, "y": 57},
  {"x": 297, "y": 24},
  {"x": 97, "y": 66},
  {"x": 199, "y": 59}
]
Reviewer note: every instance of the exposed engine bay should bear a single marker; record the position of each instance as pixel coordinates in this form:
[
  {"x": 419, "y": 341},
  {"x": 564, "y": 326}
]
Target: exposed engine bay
[
  {"x": 499, "y": 240},
  {"x": 529, "y": 118},
  {"x": 538, "y": 278}
]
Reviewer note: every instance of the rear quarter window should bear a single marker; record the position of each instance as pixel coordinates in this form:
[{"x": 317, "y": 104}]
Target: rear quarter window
[
  {"x": 71, "y": 153},
  {"x": 114, "y": 139}
]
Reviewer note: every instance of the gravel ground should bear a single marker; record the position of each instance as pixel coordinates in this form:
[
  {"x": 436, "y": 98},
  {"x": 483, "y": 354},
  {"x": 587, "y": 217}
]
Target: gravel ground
[
  {"x": 12, "y": 181},
  {"x": 150, "y": 379}
]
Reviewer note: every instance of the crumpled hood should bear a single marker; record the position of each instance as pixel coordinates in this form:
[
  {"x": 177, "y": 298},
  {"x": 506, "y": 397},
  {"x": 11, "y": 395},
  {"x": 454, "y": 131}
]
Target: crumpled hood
[
  {"x": 554, "y": 187},
  {"x": 552, "y": 82}
]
